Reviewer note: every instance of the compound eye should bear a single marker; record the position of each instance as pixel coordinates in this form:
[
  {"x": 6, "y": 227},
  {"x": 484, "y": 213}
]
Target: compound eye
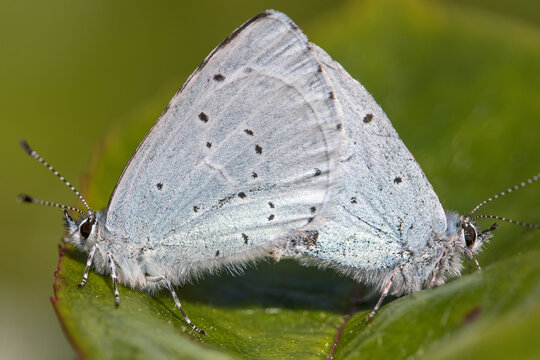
[
  {"x": 85, "y": 229},
  {"x": 470, "y": 234}
]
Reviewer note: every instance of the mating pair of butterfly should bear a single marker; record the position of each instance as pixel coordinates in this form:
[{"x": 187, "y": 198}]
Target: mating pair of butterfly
[{"x": 272, "y": 149}]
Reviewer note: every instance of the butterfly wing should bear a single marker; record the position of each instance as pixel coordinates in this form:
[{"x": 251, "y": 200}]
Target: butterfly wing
[
  {"x": 384, "y": 203},
  {"x": 244, "y": 153}
]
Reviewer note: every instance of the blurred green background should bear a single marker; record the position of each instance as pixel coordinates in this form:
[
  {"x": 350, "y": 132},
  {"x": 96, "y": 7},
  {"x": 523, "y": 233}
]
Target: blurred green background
[{"x": 70, "y": 72}]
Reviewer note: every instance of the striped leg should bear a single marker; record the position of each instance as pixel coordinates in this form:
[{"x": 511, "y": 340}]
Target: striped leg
[
  {"x": 383, "y": 295},
  {"x": 88, "y": 264},
  {"x": 176, "y": 300},
  {"x": 114, "y": 277},
  {"x": 472, "y": 256}
]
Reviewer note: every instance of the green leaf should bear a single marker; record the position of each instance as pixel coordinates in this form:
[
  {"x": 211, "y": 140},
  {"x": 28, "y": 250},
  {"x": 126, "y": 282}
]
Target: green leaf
[
  {"x": 240, "y": 315},
  {"x": 462, "y": 89},
  {"x": 493, "y": 312}
]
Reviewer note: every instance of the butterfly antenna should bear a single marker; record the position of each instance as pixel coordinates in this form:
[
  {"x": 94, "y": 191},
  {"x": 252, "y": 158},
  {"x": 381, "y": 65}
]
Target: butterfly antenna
[
  {"x": 530, "y": 226},
  {"x": 29, "y": 199},
  {"x": 509, "y": 190},
  {"x": 36, "y": 156}
]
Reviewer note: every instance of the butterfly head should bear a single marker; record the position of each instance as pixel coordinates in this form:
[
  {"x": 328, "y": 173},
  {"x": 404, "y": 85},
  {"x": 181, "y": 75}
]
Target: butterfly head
[
  {"x": 81, "y": 232},
  {"x": 463, "y": 238},
  {"x": 473, "y": 238}
]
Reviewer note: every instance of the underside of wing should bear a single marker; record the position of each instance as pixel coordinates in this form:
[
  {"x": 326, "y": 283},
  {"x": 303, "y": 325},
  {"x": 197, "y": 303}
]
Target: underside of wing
[
  {"x": 384, "y": 197},
  {"x": 244, "y": 154}
]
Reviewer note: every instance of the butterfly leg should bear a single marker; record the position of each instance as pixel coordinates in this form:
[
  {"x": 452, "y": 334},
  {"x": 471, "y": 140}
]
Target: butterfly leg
[
  {"x": 472, "y": 256},
  {"x": 114, "y": 277},
  {"x": 176, "y": 300},
  {"x": 383, "y": 294},
  {"x": 88, "y": 264}
]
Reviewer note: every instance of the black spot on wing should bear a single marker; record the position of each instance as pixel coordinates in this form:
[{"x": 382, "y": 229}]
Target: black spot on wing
[
  {"x": 332, "y": 96},
  {"x": 245, "y": 237},
  {"x": 254, "y": 175},
  {"x": 319, "y": 68},
  {"x": 195, "y": 208},
  {"x": 339, "y": 126},
  {"x": 271, "y": 204},
  {"x": 203, "y": 117},
  {"x": 317, "y": 172},
  {"x": 353, "y": 200},
  {"x": 258, "y": 149},
  {"x": 219, "y": 77},
  {"x": 242, "y": 195},
  {"x": 208, "y": 144},
  {"x": 271, "y": 217},
  {"x": 159, "y": 186},
  {"x": 368, "y": 118},
  {"x": 217, "y": 253},
  {"x": 398, "y": 180},
  {"x": 249, "y": 132},
  {"x": 313, "y": 209}
]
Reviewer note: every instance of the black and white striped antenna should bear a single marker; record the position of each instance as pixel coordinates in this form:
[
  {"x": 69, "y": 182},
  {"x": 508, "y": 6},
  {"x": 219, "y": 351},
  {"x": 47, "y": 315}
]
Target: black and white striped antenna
[
  {"x": 29, "y": 199},
  {"x": 501, "y": 194}
]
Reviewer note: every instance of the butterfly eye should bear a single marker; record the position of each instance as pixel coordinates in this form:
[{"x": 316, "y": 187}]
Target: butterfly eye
[
  {"x": 85, "y": 229},
  {"x": 470, "y": 234}
]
